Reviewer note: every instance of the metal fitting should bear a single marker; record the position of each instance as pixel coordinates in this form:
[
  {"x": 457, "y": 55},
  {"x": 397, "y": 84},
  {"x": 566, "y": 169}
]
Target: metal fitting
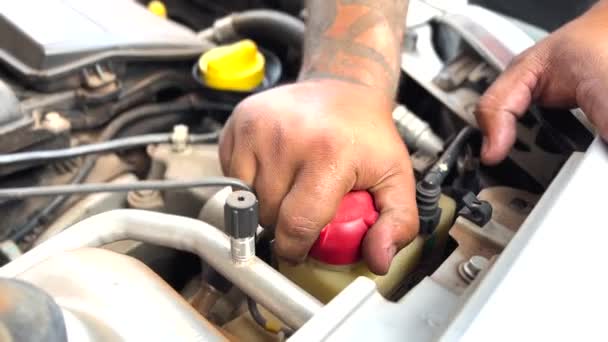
[
  {"x": 241, "y": 223},
  {"x": 242, "y": 250},
  {"x": 469, "y": 270},
  {"x": 179, "y": 138},
  {"x": 416, "y": 132}
]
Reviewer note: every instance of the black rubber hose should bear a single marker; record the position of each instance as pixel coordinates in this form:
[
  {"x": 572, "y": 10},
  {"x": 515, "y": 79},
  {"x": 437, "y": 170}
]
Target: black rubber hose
[
  {"x": 271, "y": 25},
  {"x": 103, "y": 147},
  {"x": 144, "y": 89},
  {"x": 182, "y": 104}
]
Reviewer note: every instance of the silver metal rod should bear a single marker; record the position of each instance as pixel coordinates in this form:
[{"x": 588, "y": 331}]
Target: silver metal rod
[{"x": 257, "y": 279}]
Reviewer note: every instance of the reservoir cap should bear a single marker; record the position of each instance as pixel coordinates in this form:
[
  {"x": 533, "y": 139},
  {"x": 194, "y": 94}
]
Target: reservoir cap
[
  {"x": 339, "y": 242},
  {"x": 239, "y": 66}
]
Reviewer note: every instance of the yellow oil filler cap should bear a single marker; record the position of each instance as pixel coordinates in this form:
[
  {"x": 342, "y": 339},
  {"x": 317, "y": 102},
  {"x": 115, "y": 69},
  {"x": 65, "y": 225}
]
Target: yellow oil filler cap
[
  {"x": 237, "y": 67},
  {"x": 158, "y": 8}
]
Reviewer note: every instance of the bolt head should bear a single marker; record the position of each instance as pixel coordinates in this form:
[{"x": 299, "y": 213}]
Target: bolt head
[{"x": 472, "y": 267}]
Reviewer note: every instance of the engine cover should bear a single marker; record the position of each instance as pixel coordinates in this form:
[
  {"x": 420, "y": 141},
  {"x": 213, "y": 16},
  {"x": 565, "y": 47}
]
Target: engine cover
[{"x": 42, "y": 40}]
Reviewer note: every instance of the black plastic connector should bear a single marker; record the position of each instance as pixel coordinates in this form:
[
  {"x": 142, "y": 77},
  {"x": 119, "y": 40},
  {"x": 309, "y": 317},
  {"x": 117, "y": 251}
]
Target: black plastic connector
[
  {"x": 476, "y": 210},
  {"x": 427, "y": 200}
]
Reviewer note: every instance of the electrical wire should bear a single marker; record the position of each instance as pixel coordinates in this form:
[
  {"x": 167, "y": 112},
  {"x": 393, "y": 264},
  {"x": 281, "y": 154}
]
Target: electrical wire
[
  {"x": 444, "y": 164},
  {"x": 89, "y": 188},
  {"x": 182, "y": 104},
  {"x": 103, "y": 147},
  {"x": 64, "y": 191},
  {"x": 267, "y": 325},
  {"x": 428, "y": 190}
]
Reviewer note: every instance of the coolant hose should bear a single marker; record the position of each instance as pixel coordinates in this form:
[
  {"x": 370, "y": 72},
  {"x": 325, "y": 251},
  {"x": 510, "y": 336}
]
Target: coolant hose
[
  {"x": 269, "y": 24},
  {"x": 255, "y": 278},
  {"x": 262, "y": 24}
]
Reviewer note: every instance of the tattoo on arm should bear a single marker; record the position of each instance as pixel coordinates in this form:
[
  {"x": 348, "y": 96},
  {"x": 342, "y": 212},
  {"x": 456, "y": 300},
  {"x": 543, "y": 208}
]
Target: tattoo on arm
[{"x": 356, "y": 41}]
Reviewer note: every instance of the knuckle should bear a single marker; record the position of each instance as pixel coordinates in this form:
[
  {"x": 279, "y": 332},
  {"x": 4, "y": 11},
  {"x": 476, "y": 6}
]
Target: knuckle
[
  {"x": 248, "y": 127},
  {"x": 486, "y": 104},
  {"x": 325, "y": 144},
  {"x": 277, "y": 141},
  {"x": 248, "y": 117},
  {"x": 300, "y": 227}
]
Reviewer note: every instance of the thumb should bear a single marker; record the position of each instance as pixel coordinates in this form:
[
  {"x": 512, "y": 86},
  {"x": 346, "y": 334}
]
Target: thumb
[
  {"x": 397, "y": 224},
  {"x": 504, "y": 102}
]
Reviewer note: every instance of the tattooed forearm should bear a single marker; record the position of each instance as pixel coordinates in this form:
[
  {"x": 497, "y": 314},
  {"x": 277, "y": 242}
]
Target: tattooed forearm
[{"x": 356, "y": 41}]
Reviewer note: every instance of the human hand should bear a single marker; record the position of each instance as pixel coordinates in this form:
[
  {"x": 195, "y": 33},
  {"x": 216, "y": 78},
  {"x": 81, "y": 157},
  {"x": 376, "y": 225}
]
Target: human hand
[
  {"x": 304, "y": 146},
  {"x": 567, "y": 69}
]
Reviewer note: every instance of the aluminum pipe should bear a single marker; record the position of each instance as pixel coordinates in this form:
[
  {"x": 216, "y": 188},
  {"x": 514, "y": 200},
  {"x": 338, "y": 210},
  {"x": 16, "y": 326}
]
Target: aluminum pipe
[{"x": 257, "y": 279}]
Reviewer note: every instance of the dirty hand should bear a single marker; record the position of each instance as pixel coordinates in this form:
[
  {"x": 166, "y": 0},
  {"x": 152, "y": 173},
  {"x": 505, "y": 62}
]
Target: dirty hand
[
  {"x": 304, "y": 146},
  {"x": 567, "y": 69}
]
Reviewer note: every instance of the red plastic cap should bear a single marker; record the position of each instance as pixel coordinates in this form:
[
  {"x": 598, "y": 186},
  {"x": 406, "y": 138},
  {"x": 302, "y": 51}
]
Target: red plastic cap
[{"x": 340, "y": 241}]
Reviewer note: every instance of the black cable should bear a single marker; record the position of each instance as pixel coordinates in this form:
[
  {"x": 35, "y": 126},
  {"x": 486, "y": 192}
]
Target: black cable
[
  {"x": 145, "y": 88},
  {"x": 185, "y": 103},
  {"x": 103, "y": 147},
  {"x": 263, "y": 322},
  {"x": 428, "y": 190},
  {"x": 182, "y": 104},
  {"x": 255, "y": 313},
  {"x": 442, "y": 167}
]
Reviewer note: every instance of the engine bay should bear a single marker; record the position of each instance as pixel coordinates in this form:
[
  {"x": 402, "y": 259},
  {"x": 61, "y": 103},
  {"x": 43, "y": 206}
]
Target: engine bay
[{"x": 118, "y": 223}]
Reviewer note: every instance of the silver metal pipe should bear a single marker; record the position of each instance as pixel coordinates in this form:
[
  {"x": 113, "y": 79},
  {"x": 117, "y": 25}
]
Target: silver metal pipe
[
  {"x": 257, "y": 279},
  {"x": 416, "y": 132}
]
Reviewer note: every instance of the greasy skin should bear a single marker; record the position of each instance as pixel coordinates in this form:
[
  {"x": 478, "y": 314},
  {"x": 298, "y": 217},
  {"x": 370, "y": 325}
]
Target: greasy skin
[
  {"x": 567, "y": 69},
  {"x": 304, "y": 146}
]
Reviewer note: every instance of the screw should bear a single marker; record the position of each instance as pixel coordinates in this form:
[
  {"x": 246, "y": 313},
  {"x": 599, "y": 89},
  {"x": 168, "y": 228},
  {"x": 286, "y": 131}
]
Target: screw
[{"x": 469, "y": 270}]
